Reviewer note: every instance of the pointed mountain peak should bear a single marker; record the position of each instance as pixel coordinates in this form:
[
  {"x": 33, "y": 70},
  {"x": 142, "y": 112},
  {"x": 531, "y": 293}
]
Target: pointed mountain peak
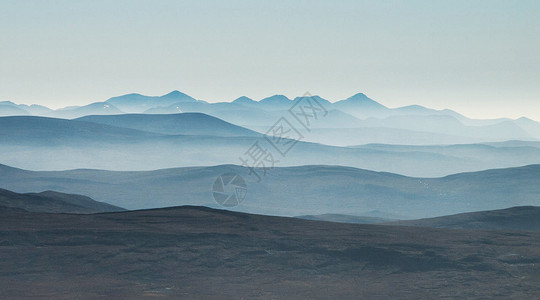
[
  {"x": 177, "y": 95},
  {"x": 359, "y": 96},
  {"x": 8, "y": 103},
  {"x": 244, "y": 99},
  {"x": 525, "y": 119},
  {"x": 316, "y": 97},
  {"x": 174, "y": 93},
  {"x": 276, "y": 99},
  {"x": 361, "y": 99}
]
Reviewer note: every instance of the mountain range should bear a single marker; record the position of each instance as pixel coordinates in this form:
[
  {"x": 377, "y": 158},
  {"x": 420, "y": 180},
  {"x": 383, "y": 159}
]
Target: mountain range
[
  {"x": 363, "y": 119},
  {"x": 8, "y": 108}
]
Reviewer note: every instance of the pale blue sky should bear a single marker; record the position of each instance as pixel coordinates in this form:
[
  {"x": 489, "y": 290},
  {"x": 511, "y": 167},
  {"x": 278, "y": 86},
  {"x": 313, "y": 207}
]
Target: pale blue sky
[{"x": 481, "y": 58}]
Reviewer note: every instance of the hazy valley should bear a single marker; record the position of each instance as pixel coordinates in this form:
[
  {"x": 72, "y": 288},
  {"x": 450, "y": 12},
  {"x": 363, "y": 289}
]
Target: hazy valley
[{"x": 117, "y": 199}]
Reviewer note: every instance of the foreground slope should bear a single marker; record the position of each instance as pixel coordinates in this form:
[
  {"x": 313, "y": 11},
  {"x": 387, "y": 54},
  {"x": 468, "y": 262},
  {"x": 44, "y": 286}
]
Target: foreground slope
[
  {"x": 515, "y": 218},
  {"x": 200, "y": 253},
  {"x": 53, "y": 202},
  {"x": 341, "y": 218}
]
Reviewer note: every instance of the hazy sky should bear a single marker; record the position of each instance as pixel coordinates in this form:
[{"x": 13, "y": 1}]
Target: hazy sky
[{"x": 481, "y": 58}]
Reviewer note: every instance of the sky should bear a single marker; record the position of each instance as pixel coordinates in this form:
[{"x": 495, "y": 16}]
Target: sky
[{"x": 481, "y": 58}]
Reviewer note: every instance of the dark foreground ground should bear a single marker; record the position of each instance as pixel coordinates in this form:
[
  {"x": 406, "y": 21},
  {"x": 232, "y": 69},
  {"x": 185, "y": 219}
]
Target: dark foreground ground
[{"x": 199, "y": 253}]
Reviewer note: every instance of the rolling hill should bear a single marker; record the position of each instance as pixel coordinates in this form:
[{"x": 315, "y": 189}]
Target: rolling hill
[
  {"x": 51, "y": 132},
  {"x": 57, "y": 144},
  {"x": 173, "y": 124},
  {"x": 515, "y": 218},
  {"x": 293, "y": 191},
  {"x": 340, "y": 218},
  {"x": 53, "y": 202}
]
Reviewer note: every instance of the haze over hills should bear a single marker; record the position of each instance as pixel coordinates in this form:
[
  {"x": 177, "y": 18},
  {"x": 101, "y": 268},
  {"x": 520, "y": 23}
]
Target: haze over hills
[
  {"x": 381, "y": 184},
  {"x": 205, "y": 140},
  {"x": 137, "y": 103},
  {"x": 52, "y": 132},
  {"x": 53, "y": 202},
  {"x": 173, "y": 124},
  {"x": 361, "y": 112},
  {"x": 8, "y": 108},
  {"x": 293, "y": 191},
  {"x": 414, "y": 130},
  {"x": 54, "y": 144},
  {"x": 98, "y": 108}
]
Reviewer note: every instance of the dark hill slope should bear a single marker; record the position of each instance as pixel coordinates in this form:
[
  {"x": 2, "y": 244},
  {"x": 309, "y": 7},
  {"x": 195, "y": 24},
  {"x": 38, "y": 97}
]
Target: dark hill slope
[
  {"x": 53, "y": 202},
  {"x": 200, "y": 253},
  {"x": 516, "y": 218}
]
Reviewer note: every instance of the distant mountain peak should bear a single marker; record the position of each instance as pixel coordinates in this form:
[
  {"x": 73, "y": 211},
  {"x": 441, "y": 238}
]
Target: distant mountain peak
[
  {"x": 178, "y": 96},
  {"x": 362, "y": 100},
  {"x": 174, "y": 93},
  {"x": 359, "y": 96},
  {"x": 315, "y": 97},
  {"x": 244, "y": 99},
  {"x": 275, "y": 99},
  {"x": 8, "y": 103}
]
